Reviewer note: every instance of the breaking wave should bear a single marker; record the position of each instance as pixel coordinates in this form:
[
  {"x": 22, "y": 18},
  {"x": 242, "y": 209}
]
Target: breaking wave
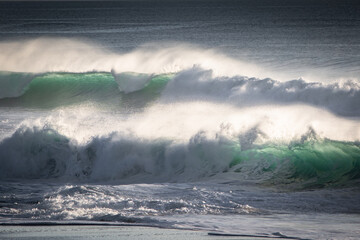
[
  {"x": 195, "y": 84},
  {"x": 46, "y": 154}
]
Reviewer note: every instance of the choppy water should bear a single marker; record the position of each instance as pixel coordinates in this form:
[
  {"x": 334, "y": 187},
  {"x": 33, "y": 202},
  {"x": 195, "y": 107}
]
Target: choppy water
[{"x": 232, "y": 116}]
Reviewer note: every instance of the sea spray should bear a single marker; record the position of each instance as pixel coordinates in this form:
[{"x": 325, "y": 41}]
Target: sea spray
[{"x": 143, "y": 113}]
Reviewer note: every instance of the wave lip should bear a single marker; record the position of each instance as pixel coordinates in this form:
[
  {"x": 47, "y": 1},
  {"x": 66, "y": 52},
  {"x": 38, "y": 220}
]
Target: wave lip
[{"x": 130, "y": 81}]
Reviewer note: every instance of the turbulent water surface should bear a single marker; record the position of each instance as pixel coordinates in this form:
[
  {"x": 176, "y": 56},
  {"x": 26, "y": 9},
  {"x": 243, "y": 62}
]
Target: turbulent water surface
[{"x": 237, "y": 117}]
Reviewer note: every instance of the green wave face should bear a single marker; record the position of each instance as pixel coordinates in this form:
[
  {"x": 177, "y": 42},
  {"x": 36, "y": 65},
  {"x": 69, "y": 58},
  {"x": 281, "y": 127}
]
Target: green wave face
[
  {"x": 312, "y": 163},
  {"x": 62, "y": 89}
]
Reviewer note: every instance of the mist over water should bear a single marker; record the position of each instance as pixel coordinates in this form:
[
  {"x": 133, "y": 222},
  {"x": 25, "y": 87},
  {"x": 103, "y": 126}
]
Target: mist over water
[
  {"x": 67, "y": 55},
  {"x": 313, "y": 40},
  {"x": 149, "y": 114}
]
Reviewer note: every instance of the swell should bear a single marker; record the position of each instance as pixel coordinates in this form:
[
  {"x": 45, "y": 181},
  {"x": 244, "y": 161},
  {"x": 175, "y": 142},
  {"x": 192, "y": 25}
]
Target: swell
[{"x": 33, "y": 153}]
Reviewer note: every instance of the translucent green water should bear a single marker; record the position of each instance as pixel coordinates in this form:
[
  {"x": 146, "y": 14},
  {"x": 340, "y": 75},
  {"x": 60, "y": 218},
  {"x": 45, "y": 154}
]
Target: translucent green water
[
  {"x": 320, "y": 161},
  {"x": 62, "y": 89}
]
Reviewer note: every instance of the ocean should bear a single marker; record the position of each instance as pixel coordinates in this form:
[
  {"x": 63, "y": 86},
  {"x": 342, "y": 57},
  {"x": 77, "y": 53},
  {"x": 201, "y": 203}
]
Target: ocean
[{"x": 229, "y": 117}]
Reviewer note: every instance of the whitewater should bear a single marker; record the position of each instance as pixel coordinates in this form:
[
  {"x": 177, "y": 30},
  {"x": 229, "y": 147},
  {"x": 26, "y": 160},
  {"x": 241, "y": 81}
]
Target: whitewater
[{"x": 176, "y": 134}]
